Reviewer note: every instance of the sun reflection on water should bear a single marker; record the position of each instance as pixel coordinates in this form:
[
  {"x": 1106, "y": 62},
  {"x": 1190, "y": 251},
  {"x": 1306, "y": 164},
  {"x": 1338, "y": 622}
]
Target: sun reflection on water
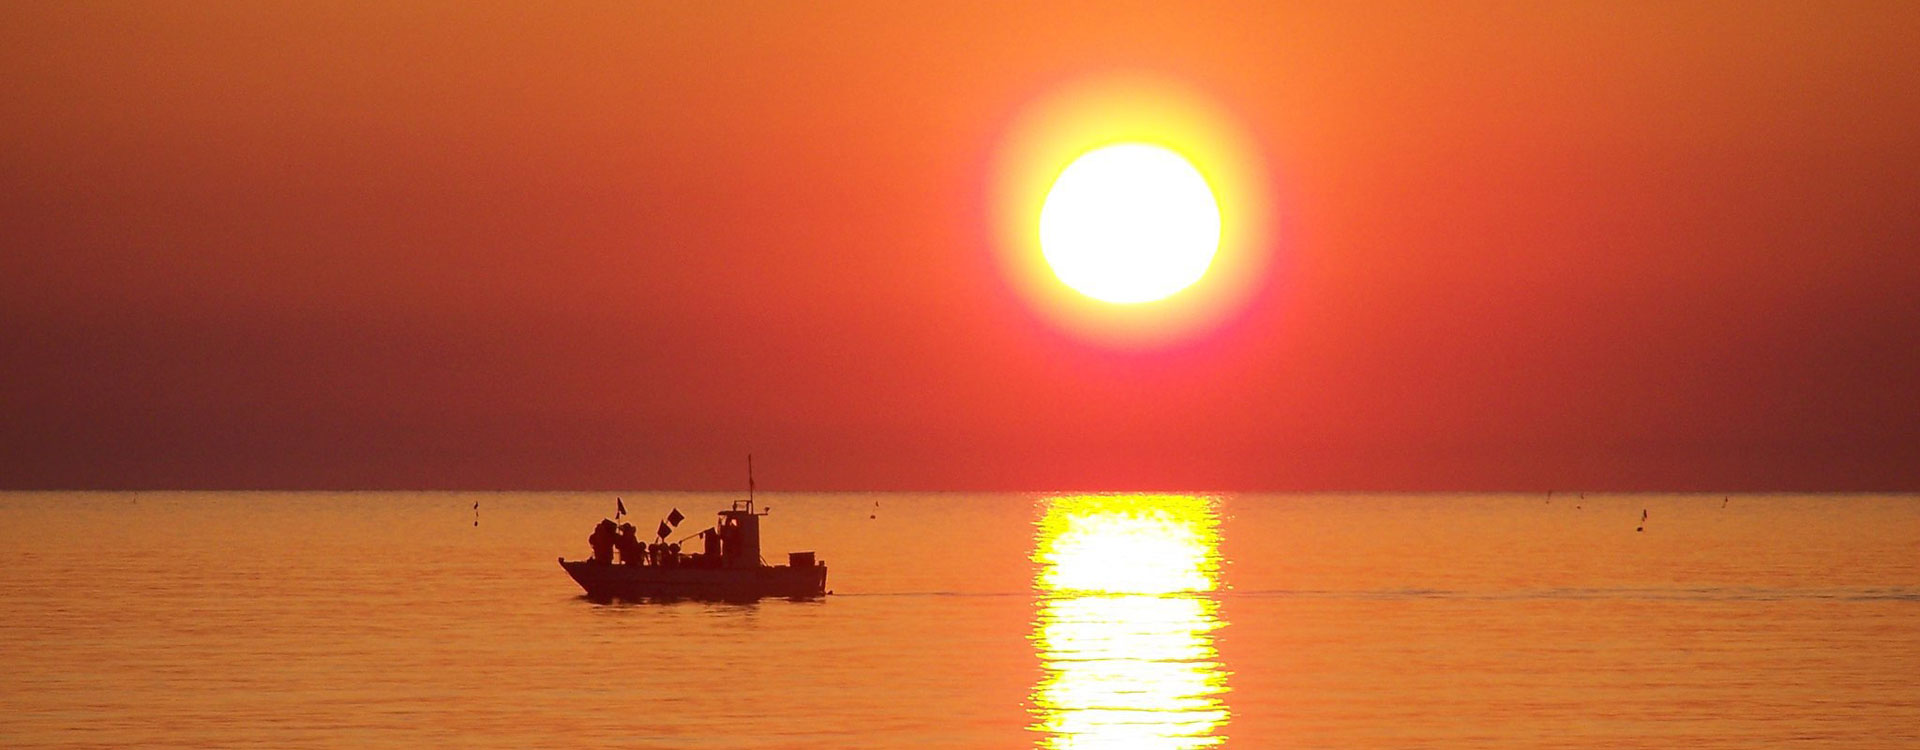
[{"x": 1125, "y": 623}]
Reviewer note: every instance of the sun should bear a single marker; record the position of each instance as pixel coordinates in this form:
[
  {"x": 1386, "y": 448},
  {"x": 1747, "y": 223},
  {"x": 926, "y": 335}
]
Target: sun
[
  {"x": 1132, "y": 211},
  {"x": 1129, "y": 223}
]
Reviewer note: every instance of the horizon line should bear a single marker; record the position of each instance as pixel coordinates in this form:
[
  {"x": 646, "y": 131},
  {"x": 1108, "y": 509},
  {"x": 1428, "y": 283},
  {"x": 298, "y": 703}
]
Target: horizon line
[{"x": 952, "y": 491}]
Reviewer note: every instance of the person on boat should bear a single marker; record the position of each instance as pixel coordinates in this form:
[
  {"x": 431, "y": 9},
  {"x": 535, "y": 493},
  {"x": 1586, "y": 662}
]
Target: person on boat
[
  {"x": 710, "y": 554},
  {"x": 629, "y": 546},
  {"x": 602, "y": 539},
  {"x": 729, "y": 540}
]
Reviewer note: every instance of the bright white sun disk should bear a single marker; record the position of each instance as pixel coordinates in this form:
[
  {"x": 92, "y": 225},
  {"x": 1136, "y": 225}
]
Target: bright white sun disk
[{"x": 1129, "y": 223}]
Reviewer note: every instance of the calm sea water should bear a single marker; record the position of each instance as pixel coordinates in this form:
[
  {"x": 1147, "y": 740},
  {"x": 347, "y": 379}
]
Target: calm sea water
[{"x": 970, "y": 621}]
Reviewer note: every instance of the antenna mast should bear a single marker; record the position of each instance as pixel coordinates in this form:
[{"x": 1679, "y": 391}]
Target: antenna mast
[{"x": 749, "y": 480}]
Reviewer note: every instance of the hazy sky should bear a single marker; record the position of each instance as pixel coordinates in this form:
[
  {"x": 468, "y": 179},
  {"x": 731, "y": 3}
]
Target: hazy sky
[{"x": 619, "y": 245}]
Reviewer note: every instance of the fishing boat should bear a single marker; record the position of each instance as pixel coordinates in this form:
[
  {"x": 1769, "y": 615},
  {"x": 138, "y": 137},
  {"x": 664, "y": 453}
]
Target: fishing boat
[{"x": 729, "y": 567}]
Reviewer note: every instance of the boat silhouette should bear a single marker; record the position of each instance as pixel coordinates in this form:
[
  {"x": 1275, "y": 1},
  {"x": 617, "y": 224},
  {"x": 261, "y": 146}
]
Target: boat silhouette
[{"x": 729, "y": 567}]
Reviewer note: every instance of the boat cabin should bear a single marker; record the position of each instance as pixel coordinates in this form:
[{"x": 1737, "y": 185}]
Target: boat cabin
[{"x": 737, "y": 534}]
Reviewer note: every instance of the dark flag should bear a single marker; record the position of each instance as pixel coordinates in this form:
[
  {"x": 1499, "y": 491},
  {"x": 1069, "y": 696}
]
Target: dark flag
[
  {"x": 664, "y": 530},
  {"x": 619, "y": 508},
  {"x": 675, "y": 518}
]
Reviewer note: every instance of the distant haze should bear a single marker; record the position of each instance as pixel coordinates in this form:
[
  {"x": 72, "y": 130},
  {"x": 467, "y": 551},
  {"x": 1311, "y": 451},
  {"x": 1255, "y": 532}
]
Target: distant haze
[{"x": 412, "y": 245}]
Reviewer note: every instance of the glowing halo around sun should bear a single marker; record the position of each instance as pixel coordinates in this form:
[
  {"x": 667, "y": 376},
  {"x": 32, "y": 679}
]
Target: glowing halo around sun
[
  {"x": 1130, "y": 211},
  {"x": 1129, "y": 223}
]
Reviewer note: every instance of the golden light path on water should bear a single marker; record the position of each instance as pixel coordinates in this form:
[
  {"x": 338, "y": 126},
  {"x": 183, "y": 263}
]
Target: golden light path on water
[{"x": 1125, "y": 622}]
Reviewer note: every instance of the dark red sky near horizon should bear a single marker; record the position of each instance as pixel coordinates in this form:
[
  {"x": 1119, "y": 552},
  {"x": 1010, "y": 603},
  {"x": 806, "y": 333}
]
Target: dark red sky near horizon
[{"x": 1662, "y": 246}]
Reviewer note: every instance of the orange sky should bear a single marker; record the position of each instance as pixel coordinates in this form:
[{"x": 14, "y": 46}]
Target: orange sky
[{"x": 387, "y": 245}]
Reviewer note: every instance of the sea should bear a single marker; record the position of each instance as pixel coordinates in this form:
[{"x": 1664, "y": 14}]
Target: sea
[{"x": 964, "y": 620}]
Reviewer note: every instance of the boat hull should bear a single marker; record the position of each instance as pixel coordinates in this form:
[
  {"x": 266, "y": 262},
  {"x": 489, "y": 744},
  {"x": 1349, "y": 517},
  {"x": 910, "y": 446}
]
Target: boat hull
[{"x": 602, "y": 581}]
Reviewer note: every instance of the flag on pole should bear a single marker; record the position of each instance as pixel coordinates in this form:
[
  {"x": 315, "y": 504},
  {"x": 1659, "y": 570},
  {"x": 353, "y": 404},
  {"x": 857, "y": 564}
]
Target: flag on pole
[
  {"x": 675, "y": 518},
  {"x": 664, "y": 530},
  {"x": 619, "y": 508}
]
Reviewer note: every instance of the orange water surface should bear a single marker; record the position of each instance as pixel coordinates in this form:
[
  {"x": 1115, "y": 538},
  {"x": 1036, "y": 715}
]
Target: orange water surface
[{"x": 292, "y": 620}]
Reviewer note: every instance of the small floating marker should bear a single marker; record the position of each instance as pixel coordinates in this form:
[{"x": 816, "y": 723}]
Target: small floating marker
[
  {"x": 1643, "y": 521},
  {"x": 476, "y": 512}
]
